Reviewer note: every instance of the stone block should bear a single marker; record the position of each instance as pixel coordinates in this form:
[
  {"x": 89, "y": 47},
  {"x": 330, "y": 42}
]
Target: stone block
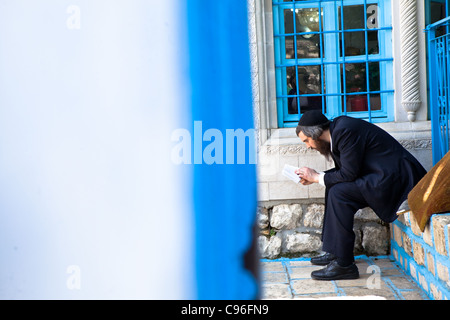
[
  {"x": 313, "y": 217},
  {"x": 448, "y": 237},
  {"x": 269, "y": 247},
  {"x": 276, "y": 291},
  {"x": 316, "y": 191},
  {"x": 407, "y": 217},
  {"x": 440, "y": 224},
  {"x": 272, "y": 267},
  {"x": 302, "y": 243},
  {"x": 287, "y": 190},
  {"x": 274, "y": 277},
  {"x": 358, "y": 249},
  {"x": 412, "y": 271},
  {"x": 262, "y": 217},
  {"x": 384, "y": 293},
  {"x": 271, "y": 166},
  {"x": 285, "y": 217},
  {"x": 423, "y": 281},
  {"x": 263, "y": 191},
  {"x": 427, "y": 237},
  {"x": 313, "y": 160},
  {"x": 366, "y": 214},
  {"x": 443, "y": 273},
  {"x": 375, "y": 239},
  {"x": 294, "y": 264},
  {"x": 407, "y": 244},
  {"x": 415, "y": 226},
  {"x": 395, "y": 254},
  {"x": 403, "y": 219},
  {"x": 309, "y": 286},
  {"x": 419, "y": 254},
  {"x": 303, "y": 272},
  {"x": 397, "y": 235},
  {"x": 435, "y": 292},
  {"x": 430, "y": 263}
]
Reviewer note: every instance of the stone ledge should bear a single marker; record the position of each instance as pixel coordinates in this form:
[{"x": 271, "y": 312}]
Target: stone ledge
[
  {"x": 424, "y": 255},
  {"x": 288, "y": 230}
]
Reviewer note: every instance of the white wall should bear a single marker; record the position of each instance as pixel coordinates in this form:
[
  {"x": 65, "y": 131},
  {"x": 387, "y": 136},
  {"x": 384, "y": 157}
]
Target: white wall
[
  {"x": 90, "y": 204},
  {"x": 400, "y": 113},
  {"x": 280, "y": 146}
]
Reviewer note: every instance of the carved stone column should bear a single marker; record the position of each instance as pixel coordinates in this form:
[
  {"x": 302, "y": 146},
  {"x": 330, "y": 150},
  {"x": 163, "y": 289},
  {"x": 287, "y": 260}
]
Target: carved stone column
[{"x": 410, "y": 58}]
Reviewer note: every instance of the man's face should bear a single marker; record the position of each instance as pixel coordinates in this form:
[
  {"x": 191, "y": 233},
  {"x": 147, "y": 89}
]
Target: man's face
[{"x": 320, "y": 145}]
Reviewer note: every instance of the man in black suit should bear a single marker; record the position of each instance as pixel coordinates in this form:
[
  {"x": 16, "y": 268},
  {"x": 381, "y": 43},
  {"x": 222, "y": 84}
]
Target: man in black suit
[{"x": 371, "y": 169}]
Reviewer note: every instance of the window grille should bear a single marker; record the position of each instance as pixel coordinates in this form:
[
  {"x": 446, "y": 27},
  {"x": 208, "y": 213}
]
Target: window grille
[
  {"x": 335, "y": 56},
  {"x": 439, "y": 71}
]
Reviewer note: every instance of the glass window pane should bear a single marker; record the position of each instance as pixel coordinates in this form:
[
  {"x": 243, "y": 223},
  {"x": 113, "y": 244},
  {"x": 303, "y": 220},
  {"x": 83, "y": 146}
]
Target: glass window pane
[
  {"x": 289, "y": 45},
  {"x": 307, "y": 20},
  {"x": 288, "y": 20},
  {"x": 309, "y": 82},
  {"x": 308, "y": 47},
  {"x": 356, "y": 103},
  {"x": 291, "y": 80},
  {"x": 374, "y": 76},
  {"x": 355, "y": 42},
  {"x": 355, "y": 25},
  {"x": 355, "y": 77},
  {"x": 359, "y": 103},
  {"x": 353, "y": 17},
  {"x": 372, "y": 42},
  {"x": 291, "y": 90},
  {"x": 437, "y": 12},
  {"x": 375, "y": 102},
  {"x": 309, "y": 79}
]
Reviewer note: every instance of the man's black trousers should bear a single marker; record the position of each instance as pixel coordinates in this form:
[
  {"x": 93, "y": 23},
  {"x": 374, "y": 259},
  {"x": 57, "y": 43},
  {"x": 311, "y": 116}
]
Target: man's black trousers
[{"x": 342, "y": 201}]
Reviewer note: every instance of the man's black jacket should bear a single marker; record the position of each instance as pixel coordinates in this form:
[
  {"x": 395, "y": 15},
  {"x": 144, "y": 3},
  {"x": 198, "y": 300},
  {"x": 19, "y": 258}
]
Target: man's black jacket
[{"x": 384, "y": 171}]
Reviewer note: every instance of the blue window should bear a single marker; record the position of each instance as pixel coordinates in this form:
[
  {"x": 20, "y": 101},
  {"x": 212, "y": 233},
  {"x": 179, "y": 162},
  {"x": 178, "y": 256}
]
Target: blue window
[{"x": 335, "y": 56}]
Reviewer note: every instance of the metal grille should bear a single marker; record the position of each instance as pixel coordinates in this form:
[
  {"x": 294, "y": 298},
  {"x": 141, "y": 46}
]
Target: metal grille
[
  {"x": 340, "y": 50},
  {"x": 439, "y": 80}
]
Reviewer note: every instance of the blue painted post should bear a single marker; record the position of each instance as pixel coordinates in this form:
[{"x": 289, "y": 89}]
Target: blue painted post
[
  {"x": 439, "y": 77},
  {"x": 433, "y": 93},
  {"x": 224, "y": 194}
]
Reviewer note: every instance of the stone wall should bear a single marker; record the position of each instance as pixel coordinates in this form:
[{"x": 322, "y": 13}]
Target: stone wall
[
  {"x": 292, "y": 230},
  {"x": 424, "y": 255}
]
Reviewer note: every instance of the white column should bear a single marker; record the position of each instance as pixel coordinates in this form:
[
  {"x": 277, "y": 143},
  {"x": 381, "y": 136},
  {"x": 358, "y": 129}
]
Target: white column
[{"x": 409, "y": 58}]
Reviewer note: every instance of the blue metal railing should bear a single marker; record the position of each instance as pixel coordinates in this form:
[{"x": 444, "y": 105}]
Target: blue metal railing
[{"x": 439, "y": 80}]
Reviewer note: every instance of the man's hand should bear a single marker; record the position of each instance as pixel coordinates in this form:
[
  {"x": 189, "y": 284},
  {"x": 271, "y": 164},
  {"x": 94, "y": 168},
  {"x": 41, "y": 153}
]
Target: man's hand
[{"x": 308, "y": 176}]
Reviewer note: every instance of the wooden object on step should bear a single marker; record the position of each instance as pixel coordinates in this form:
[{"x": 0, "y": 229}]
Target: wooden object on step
[{"x": 432, "y": 194}]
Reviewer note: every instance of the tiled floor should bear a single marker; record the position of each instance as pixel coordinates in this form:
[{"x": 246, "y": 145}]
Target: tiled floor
[{"x": 380, "y": 278}]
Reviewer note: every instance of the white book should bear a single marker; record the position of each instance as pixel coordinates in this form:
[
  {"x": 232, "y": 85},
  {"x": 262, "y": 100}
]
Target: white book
[{"x": 289, "y": 172}]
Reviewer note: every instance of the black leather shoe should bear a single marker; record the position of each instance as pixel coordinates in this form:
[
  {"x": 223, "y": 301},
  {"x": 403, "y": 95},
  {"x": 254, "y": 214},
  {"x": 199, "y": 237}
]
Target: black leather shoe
[
  {"x": 334, "y": 271},
  {"x": 324, "y": 259}
]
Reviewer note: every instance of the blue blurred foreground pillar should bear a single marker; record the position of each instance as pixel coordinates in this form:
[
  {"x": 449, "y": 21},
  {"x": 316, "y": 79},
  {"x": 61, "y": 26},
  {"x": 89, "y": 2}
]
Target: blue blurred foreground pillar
[
  {"x": 93, "y": 203},
  {"x": 224, "y": 189}
]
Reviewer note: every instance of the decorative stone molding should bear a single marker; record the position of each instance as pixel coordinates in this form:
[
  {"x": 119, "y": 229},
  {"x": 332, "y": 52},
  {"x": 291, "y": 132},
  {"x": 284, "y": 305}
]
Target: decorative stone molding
[
  {"x": 413, "y": 144},
  {"x": 285, "y": 150},
  {"x": 416, "y": 144},
  {"x": 410, "y": 58}
]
